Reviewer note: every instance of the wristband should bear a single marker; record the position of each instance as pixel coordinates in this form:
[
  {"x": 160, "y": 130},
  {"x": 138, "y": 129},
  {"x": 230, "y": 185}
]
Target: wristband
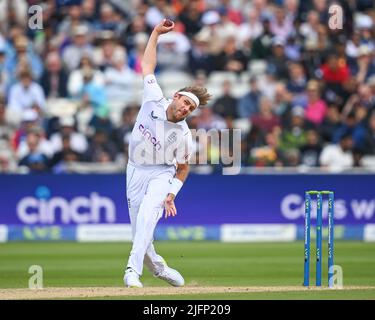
[{"x": 176, "y": 186}]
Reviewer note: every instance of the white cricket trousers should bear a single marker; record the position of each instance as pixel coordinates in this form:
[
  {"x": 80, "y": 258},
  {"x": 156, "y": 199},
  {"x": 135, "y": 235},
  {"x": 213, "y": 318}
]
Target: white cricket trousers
[{"x": 146, "y": 189}]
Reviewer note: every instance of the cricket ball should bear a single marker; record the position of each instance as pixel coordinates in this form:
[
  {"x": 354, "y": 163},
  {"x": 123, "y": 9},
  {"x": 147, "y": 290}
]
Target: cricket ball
[{"x": 168, "y": 23}]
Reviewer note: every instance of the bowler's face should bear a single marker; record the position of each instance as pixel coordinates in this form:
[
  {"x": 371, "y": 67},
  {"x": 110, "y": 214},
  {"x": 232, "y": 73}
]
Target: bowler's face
[{"x": 182, "y": 106}]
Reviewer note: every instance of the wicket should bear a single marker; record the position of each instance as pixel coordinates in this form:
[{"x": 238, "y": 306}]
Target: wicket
[{"x": 319, "y": 226}]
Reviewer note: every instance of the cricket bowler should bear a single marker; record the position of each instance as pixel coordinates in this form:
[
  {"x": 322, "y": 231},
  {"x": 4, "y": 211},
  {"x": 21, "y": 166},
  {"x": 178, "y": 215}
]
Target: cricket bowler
[{"x": 159, "y": 150}]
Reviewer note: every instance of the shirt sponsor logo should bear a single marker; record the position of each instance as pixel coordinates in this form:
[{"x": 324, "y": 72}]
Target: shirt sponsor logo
[
  {"x": 153, "y": 116},
  {"x": 149, "y": 136}
]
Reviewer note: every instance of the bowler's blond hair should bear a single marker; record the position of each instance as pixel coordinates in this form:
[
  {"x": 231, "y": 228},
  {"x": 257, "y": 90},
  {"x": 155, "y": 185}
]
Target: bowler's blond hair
[{"x": 201, "y": 93}]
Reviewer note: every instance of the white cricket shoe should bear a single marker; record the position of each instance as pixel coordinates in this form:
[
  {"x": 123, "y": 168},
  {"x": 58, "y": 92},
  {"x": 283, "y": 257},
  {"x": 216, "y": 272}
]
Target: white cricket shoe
[
  {"x": 172, "y": 276},
  {"x": 131, "y": 279}
]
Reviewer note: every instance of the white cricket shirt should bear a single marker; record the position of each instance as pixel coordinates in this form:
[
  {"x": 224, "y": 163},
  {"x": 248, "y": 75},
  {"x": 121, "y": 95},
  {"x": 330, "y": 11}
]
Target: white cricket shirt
[{"x": 154, "y": 139}]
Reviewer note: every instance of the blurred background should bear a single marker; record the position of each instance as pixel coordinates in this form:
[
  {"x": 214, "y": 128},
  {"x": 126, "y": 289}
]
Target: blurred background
[{"x": 302, "y": 94}]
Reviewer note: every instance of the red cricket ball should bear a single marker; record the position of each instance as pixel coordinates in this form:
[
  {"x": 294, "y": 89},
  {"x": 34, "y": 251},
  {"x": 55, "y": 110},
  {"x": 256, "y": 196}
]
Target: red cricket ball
[{"x": 168, "y": 23}]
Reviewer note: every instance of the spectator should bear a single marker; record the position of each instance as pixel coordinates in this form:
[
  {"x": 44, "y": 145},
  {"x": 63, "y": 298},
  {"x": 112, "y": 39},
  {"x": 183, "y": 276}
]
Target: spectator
[
  {"x": 100, "y": 121},
  {"x": 291, "y": 158},
  {"x": 200, "y": 58},
  {"x": 251, "y": 29},
  {"x": 71, "y": 21},
  {"x": 6, "y": 128},
  {"x": 119, "y": 80},
  {"x": 208, "y": 120},
  {"x": 371, "y": 99},
  {"x": 23, "y": 54},
  {"x": 225, "y": 105},
  {"x": 248, "y": 105},
  {"x": 173, "y": 52},
  {"x": 310, "y": 152},
  {"x": 43, "y": 145},
  {"x": 294, "y": 136},
  {"x": 4, "y": 77},
  {"x": 190, "y": 17},
  {"x": 277, "y": 63},
  {"x": 136, "y": 27},
  {"x": 54, "y": 79},
  {"x": 353, "y": 127},
  {"x": 316, "y": 108},
  {"x": 101, "y": 149},
  {"x": 80, "y": 47},
  {"x": 12, "y": 13},
  {"x": 281, "y": 24},
  {"x": 108, "y": 48},
  {"x": 211, "y": 30},
  {"x": 353, "y": 45},
  {"x": 291, "y": 8},
  {"x": 157, "y": 12},
  {"x": 128, "y": 118},
  {"x": 227, "y": 27},
  {"x": 262, "y": 45},
  {"x": 282, "y": 103},
  {"x": 268, "y": 82},
  {"x": 136, "y": 54},
  {"x": 82, "y": 75},
  {"x": 88, "y": 11},
  {"x": 226, "y": 8},
  {"x": 365, "y": 64},
  {"x": 94, "y": 95},
  {"x": 334, "y": 72},
  {"x": 110, "y": 20},
  {"x": 312, "y": 59},
  {"x": 61, "y": 159},
  {"x": 34, "y": 159},
  {"x": 330, "y": 124},
  {"x": 347, "y": 91},
  {"x": 231, "y": 58},
  {"x": 293, "y": 48},
  {"x": 365, "y": 95},
  {"x": 364, "y": 25},
  {"x": 253, "y": 138},
  {"x": 29, "y": 119},
  {"x": 266, "y": 154},
  {"x": 338, "y": 157},
  {"x": 320, "y": 6},
  {"x": 298, "y": 80},
  {"x": 26, "y": 94},
  {"x": 369, "y": 146},
  {"x": 309, "y": 29},
  {"x": 8, "y": 162},
  {"x": 266, "y": 120},
  {"x": 77, "y": 141}
]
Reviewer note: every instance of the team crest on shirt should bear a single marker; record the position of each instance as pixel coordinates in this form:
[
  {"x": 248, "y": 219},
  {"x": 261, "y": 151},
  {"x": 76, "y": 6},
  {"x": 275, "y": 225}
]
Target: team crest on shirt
[{"x": 172, "y": 138}]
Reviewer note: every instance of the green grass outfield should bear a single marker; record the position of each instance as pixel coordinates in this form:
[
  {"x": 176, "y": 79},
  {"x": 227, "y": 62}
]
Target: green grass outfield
[{"x": 203, "y": 264}]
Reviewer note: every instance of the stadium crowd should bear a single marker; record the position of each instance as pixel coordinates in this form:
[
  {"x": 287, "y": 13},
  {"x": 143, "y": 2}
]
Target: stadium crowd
[{"x": 70, "y": 92}]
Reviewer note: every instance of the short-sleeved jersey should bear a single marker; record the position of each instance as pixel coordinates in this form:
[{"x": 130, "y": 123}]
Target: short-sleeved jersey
[{"x": 154, "y": 139}]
